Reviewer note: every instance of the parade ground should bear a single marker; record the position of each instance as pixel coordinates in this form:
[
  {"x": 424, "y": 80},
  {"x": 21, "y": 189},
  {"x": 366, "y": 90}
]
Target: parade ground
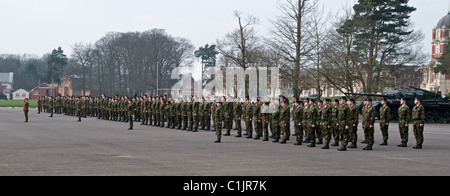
[{"x": 61, "y": 146}]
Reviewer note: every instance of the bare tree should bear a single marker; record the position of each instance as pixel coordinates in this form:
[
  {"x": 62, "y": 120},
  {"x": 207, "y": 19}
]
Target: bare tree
[{"x": 290, "y": 38}]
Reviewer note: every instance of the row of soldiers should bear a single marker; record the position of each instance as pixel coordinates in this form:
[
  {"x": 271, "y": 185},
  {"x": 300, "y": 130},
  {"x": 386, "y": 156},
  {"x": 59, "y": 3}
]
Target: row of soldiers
[{"x": 315, "y": 121}]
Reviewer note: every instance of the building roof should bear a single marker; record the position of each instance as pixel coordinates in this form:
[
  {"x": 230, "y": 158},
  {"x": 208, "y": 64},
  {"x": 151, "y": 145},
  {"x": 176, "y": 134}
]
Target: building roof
[
  {"x": 444, "y": 22},
  {"x": 6, "y": 77}
]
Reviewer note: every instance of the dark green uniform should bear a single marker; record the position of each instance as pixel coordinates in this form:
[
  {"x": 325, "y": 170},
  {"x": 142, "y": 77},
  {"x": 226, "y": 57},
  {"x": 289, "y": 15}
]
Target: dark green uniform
[
  {"x": 353, "y": 123},
  {"x": 343, "y": 124},
  {"x": 369, "y": 114},
  {"x": 285, "y": 122},
  {"x": 130, "y": 109},
  {"x": 326, "y": 120},
  {"x": 404, "y": 117},
  {"x": 249, "y": 119},
  {"x": 312, "y": 123},
  {"x": 275, "y": 129},
  {"x": 418, "y": 117},
  {"x": 257, "y": 120},
  {"x": 297, "y": 115},
  {"x": 237, "y": 114},
  {"x": 218, "y": 119},
  {"x": 385, "y": 118}
]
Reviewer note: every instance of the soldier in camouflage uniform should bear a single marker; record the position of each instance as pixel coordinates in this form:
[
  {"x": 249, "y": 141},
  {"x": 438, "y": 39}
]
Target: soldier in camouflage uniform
[
  {"x": 249, "y": 119},
  {"x": 184, "y": 113},
  {"x": 218, "y": 120},
  {"x": 195, "y": 113},
  {"x": 385, "y": 117},
  {"x": 404, "y": 116},
  {"x": 335, "y": 121},
  {"x": 78, "y": 108},
  {"x": 51, "y": 106},
  {"x": 285, "y": 121},
  {"x": 319, "y": 122},
  {"x": 237, "y": 114},
  {"x": 207, "y": 115},
  {"x": 343, "y": 123},
  {"x": 297, "y": 115},
  {"x": 227, "y": 109},
  {"x": 305, "y": 122},
  {"x": 162, "y": 113},
  {"x": 353, "y": 122},
  {"x": 418, "y": 117},
  {"x": 257, "y": 119},
  {"x": 189, "y": 105},
  {"x": 326, "y": 122},
  {"x": 275, "y": 129},
  {"x": 369, "y": 114},
  {"x": 265, "y": 118},
  {"x": 130, "y": 109},
  {"x": 312, "y": 122}
]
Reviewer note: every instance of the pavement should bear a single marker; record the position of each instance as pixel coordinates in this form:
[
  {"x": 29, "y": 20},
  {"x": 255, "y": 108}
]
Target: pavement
[{"x": 60, "y": 146}]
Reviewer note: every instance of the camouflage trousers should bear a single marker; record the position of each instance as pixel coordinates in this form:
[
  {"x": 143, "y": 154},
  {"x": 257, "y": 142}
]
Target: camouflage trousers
[
  {"x": 228, "y": 122},
  {"x": 404, "y": 135},
  {"x": 384, "y": 130},
  {"x": 207, "y": 121},
  {"x": 343, "y": 133},
  {"x": 353, "y": 134},
  {"x": 418, "y": 132},
  {"x": 369, "y": 134},
  {"x": 185, "y": 121},
  {"x": 265, "y": 128},
  {"x": 218, "y": 126},
  {"x": 237, "y": 121},
  {"x": 249, "y": 126},
  {"x": 285, "y": 129},
  {"x": 275, "y": 129},
  {"x": 258, "y": 127},
  {"x": 191, "y": 120},
  {"x": 312, "y": 132},
  {"x": 335, "y": 132},
  {"x": 196, "y": 120},
  {"x": 298, "y": 128},
  {"x": 326, "y": 132}
]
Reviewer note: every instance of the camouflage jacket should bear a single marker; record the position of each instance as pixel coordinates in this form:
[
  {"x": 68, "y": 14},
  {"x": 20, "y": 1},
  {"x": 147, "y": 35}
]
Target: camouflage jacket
[{"x": 418, "y": 114}]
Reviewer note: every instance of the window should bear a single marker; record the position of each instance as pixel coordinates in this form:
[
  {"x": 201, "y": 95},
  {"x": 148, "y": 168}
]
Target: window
[
  {"x": 17, "y": 95},
  {"x": 425, "y": 76},
  {"x": 24, "y": 94},
  {"x": 36, "y": 92}
]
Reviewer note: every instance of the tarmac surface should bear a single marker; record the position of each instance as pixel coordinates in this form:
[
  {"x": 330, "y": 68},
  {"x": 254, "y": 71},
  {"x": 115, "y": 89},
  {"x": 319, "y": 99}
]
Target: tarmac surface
[{"x": 60, "y": 146}]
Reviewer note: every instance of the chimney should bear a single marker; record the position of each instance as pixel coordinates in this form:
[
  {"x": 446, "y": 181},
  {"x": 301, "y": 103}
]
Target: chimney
[{"x": 39, "y": 83}]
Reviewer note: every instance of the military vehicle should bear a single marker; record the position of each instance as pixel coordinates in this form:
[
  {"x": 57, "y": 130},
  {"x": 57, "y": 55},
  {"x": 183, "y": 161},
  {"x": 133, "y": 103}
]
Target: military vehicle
[{"x": 437, "y": 106}]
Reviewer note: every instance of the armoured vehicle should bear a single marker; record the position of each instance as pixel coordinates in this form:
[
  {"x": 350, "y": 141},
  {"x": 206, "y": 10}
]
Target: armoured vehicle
[{"x": 437, "y": 106}]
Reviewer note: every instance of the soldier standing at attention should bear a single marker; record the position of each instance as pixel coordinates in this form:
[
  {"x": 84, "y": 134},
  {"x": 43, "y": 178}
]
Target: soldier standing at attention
[
  {"x": 195, "y": 113},
  {"x": 51, "y": 106},
  {"x": 285, "y": 121},
  {"x": 275, "y": 129},
  {"x": 248, "y": 119},
  {"x": 404, "y": 116},
  {"x": 237, "y": 113},
  {"x": 130, "y": 112},
  {"x": 189, "y": 104},
  {"x": 218, "y": 120},
  {"x": 335, "y": 122},
  {"x": 418, "y": 117},
  {"x": 326, "y": 120},
  {"x": 297, "y": 115},
  {"x": 227, "y": 108},
  {"x": 39, "y": 105},
  {"x": 354, "y": 115},
  {"x": 319, "y": 127},
  {"x": 305, "y": 121},
  {"x": 343, "y": 124},
  {"x": 26, "y": 109},
  {"x": 257, "y": 119},
  {"x": 369, "y": 114},
  {"x": 265, "y": 118},
  {"x": 385, "y": 117}
]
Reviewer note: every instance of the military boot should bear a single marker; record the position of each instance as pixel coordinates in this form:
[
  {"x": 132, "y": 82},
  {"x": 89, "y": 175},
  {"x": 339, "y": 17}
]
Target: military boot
[
  {"x": 227, "y": 133},
  {"x": 403, "y": 145},
  {"x": 353, "y": 145},
  {"x": 385, "y": 143},
  {"x": 283, "y": 141},
  {"x": 326, "y": 146},
  {"x": 418, "y": 146},
  {"x": 257, "y": 137},
  {"x": 217, "y": 141},
  {"x": 276, "y": 140},
  {"x": 307, "y": 141},
  {"x": 298, "y": 143},
  {"x": 368, "y": 148},
  {"x": 335, "y": 144},
  {"x": 312, "y": 145},
  {"x": 265, "y": 139},
  {"x": 238, "y": 135},
  {"x": 320, "y": 142},
  {"x": 343, "y": 148}
]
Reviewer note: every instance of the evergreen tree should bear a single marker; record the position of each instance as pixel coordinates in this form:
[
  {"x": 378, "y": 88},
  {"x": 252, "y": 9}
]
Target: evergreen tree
[
  {"x": 444, "y": 62},
  {"x": 56, "y": 63}
]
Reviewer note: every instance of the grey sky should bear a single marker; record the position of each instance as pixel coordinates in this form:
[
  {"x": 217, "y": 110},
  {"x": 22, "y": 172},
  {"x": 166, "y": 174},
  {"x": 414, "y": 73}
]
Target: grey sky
[{"x": 39, "y": 26}]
